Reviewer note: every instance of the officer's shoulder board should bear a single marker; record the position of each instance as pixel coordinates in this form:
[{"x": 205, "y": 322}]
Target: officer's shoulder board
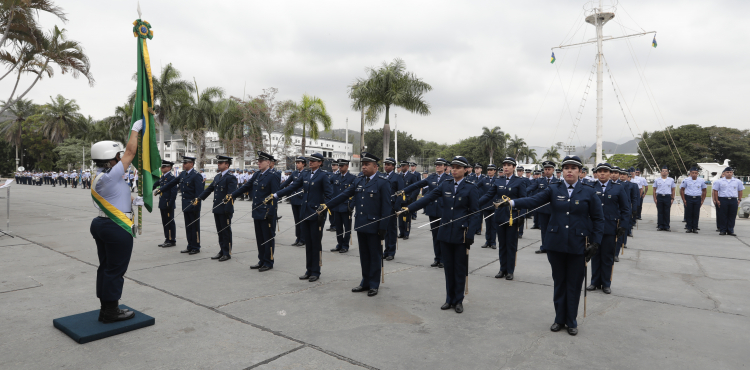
[
  {"x": 587, "y": 184},
  {"x": 383, "y": 177}
]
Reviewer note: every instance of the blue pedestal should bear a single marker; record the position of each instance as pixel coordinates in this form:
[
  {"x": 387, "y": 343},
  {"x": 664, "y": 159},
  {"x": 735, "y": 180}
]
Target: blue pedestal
[{"x": 86, "y": 327}]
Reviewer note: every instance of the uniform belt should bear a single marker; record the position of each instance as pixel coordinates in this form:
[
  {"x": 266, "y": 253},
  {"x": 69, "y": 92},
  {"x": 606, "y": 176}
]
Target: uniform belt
[
  {"x": 727, "y": 197},
  {"x": 128, "y": 214},
  {"x": 663, "y": 195},
  {"x": 693, "y": 196}
]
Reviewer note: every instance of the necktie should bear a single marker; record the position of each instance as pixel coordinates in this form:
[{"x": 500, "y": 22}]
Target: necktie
[{"x": 367, "y": 179}]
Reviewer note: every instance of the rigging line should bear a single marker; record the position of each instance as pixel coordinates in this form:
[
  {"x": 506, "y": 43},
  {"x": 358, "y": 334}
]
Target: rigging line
[
  {"x": 655, "y": 106},
  {"x": 581, "y": 107},
  {"x": 631, "y": 18},
  {"x": 614, "y": 83},
  {"x": 578, "y": 16},
  {"x": 565, "y": 95}
]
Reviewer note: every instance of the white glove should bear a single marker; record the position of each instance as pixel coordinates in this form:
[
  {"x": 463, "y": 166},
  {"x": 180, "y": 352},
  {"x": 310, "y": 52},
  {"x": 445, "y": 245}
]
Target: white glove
[
  {"x": 138, "y": 201},
  {"x": 138, "y": 125},
  {"x": 156, "y": 192}
]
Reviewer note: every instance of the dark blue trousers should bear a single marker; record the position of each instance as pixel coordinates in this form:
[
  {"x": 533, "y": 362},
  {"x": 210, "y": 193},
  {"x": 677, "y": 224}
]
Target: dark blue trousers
[
  {"x": 370, "y": 258},
  {"x": 567, "y": 273},
  {"x": 507, "y": 246},
  {"x": 391, "y": 237},
  {"x": 114, "y": 246},
  {"x": 311, "y": 232},
  {"x": 193, "y": 232},
  {"x": 602, "y": 262},
  {"x": 171, "y": 229},
  {"x": 343, "y": 223},
  {"x": 264, "y": 230},
  {"x": 490, "y": 229},
  {"x": 543, "y": 224},
  {"x": 297, "y": 230},
  {"x": 224, "y": 228},
  {"x": 692, "y": 211},
  {"x": 726, "y": 213},
  {"x": 404, "y": 224},
  {"x": 663, "y": 208},
  {"x": 456, "y": 263},
  {"x": 536, "y": 219},
  {"x": 520, "y": 221},
  {"x": 435, "y": 242}
]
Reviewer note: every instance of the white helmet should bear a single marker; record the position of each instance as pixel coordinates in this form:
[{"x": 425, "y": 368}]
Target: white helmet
[{"x": 106, "y": 150}]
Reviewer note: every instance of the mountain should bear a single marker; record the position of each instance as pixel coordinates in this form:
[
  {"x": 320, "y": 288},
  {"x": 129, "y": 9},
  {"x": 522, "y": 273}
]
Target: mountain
[{"x": 608, "y": 148}]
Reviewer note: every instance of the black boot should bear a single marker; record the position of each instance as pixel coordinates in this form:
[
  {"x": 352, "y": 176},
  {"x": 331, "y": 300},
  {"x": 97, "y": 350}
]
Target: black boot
[{"x": 112, "y": 313}]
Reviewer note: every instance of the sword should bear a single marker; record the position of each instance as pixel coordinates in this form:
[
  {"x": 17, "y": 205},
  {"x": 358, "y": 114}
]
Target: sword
[
  {"x": 188, "y": 206},
  {"x": 305, "y": 219},
  {"x": 458, "y": 218},
  {"x": 523, "y": 214},
  {"x": 419, "y": 227},
  {"x": 201, "y": 216},
  {"x": 369, "y": 223}
]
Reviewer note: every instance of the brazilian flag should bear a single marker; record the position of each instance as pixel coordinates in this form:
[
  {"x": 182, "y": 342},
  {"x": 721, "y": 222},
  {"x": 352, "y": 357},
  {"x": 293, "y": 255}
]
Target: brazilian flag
[{"x": 148, "y": 160}]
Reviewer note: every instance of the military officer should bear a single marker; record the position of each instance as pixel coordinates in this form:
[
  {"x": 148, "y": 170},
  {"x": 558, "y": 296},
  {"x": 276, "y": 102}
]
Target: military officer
[
  {"x": 484, "y": 186},
  {"x": 663, "y": 198},
  {"x": 631, "y": 189},
  {"x": 397, "y": 183},
  {"x": 693, "y": 193},
  {"x": 417, "y": 177},
  {"x": 460, "y": 219},
  {"x": 577, "y": 223},
  {"x": 317, "y": 190},
  {"x": 533, "y": 188},
  {"x": 296, "y": 201},
  {"x": 334, "y": 171},
  {"x": 370, "y": 195},
  {"x": 223, "y": 205},
  {"x": 167, "y": 205},
  {"x": 191, "y": 185},
  {"x": 520, "y": 171},
  {"x": 342, "y": 214},
  {"x": 404, "y": 222},
  {"x": 644, "y": 190},
  {"x": 506, "y": 222},
  {"x": 615, "y": 203},
  {"x": 558, "y": 174},
  {"x": 727, "y": 194},
  {"x": 548, "y": 178},
  {"x": 433, "y": 210}
]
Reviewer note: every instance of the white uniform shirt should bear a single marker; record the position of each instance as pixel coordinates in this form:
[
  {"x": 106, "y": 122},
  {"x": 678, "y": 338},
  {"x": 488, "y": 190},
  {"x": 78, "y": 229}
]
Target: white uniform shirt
[
  {"x": 728, "y": 188},
  {"x": 693, "y": 188},
  {"x": 110, "y": 187},
  {"x": 664, "y": 186}
]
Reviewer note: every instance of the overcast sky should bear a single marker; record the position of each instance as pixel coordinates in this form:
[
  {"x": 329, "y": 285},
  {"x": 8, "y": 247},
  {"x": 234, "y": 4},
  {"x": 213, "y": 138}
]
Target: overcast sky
[{"x": 487, "y": 61}]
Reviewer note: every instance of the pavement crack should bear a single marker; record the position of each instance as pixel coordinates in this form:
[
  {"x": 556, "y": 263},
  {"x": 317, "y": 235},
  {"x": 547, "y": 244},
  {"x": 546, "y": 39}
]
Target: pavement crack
[{"x": 274, "y": 358}]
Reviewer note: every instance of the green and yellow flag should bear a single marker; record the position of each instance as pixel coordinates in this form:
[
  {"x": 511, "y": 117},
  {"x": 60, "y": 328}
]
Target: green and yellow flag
[{"x": 148, "y": 160}]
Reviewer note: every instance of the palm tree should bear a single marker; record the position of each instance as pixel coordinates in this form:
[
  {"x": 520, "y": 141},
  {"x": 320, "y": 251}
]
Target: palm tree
[
  {"x": 492, "y": 140},
  {"x": 528, "y": 154},
  {"x": 308, "y": 113},
  {"x": 552, "y": 154},
  {"x": 515, "y": 145},
  {"x": 119, "y": 123},
  {"x": 169, "y": 89},
  {"x": 391, "y": 85},
  {"x": 197, "y": 114},
  {"x": 12, "y": 129},
  {"x": 360, "y": 103},
  {"x": 53, "y": 48},
  {"x": 61, "y": 119},
  {"x": 18, "y": 19}
]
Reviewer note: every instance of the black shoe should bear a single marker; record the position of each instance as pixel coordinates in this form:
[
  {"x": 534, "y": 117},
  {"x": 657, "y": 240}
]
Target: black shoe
[
  {"x": 592, "y": 287},
  {"x": 446, "y": 306},
  {"x": 185, "y": 251},
  {"x": 359, "y": 289},
  {"x": 694, "y": 231},
  {"x": 697, "y": 228},
  {"x": 607, "y": 290},
  {"x": 485, "y": 245},
  {"x": 296, "y": 243},
  {"x": 435, "y": 264},
  {"x": 459, "y": 307},
  {"x": 313, "y": 278},
  {"x": 224, "y": 258},
  {"x": 639, "y": 218},
  {"x": 556, "y": 327},
  {"x": 535, "y": 228},
  {"x": 509, "y": 277},
  {"x": 631, "y": 235},
  {"x": 617, "y": 259},
  {"x": 406, "y": 237},
  {"x": 658, "y": 229},
  {"x": 217, "y": 256},
  {"x": 400, "y": 236},
  {"x": 115, "y": 314},
  {"x": 162, "y": 244},
  {"x": 372, "y": 292},
  {"x": 344, "y": 250},
  {"x": 493, "y": 247},
  {"x": 732, "y": 234},
  {"x": 101, "y": 312},
  {"x": 689, "y": 231},
  {"x": 440, "y": 265},
  {"x": 501, "y": 275},
  {"x": 389, "y": 258},
  {"x": 264, "y": 268},
  {"x": 684, "y": 221},
  {"x": 194, "y": 251},
  {"x": 520, "y": 236},
  {"x": 722, "y": 233},
  {"x": 169, "y": 244},
  {"x": 478, "y": 233},
  {"x": 669, "y": 230},
  {"x": 304, "y": 277},
  {"x": 540, "y": 251},
  {"x": 301, "y": 244},
  {"x": 336, "y": 249},
  {"x": 257, "y": 266},
  {"x": 573, "y": 331}
]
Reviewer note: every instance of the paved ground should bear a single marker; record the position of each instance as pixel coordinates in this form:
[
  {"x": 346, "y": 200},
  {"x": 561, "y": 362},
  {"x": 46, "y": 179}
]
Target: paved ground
[{"x": 679, "y": 301}]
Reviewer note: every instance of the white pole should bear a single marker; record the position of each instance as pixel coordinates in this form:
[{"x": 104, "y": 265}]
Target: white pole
[
  {"x": 599, "y": 83},
  {"x": 395, "y": 151}
]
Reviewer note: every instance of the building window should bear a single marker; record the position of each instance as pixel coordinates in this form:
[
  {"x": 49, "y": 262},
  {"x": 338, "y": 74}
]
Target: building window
[{"x": 166, "y": 155}]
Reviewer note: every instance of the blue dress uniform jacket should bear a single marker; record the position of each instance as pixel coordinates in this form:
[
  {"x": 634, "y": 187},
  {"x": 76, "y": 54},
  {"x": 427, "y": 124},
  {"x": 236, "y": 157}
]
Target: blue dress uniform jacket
[
  {"x": 574, "y": 218},
  {"x": 221, "y": 186},
  {"x": 432, "y": 181},
  {"x": 167, "y": 199},
  {"x": 396, "y": 182},
  {"x": 615, "y": 204},
  {"x": 297, "y": 199},
  {"x": 514, "y": 188},
  {"x": 260, "y": 186},
  {"x": 190, "y": 185},
  {"x": 341, "y": 217},
  {"x": 340, "y": 184},
  {"x": 507, "y": 234},
  {"x": 456, "y": 205}
]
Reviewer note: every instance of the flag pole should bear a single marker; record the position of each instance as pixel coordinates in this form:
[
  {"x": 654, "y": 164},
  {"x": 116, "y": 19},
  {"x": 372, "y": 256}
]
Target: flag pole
[{"x": 140, "y": 159}]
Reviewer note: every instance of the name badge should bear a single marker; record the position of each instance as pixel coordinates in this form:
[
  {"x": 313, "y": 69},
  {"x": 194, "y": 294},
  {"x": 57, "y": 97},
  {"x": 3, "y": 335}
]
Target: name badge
[
  {"x": 577, "y": 201},
  {"x": 447, "y": 193},
  {"x": 609, "y": 196}
]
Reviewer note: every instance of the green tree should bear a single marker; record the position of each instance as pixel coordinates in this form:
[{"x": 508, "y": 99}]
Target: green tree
[
  {"x": 552, "y": 154},
  {"x": 730, "y": 143},
  {"x": 469, "y": 148},
  {"x": 61, "y": 119},
  {"x": 391, "y": 85},
  {"x": 119, "y": 122},
  {"x": 528, "y": 154},
  {"x": 308, "y": 114},
  {"x": 73, "y": 153},
  {"x": 623, "y": 161},
  {"x": 18, "y": 20},
  {"x": 515, "y": 146},
  {"x": 37, "y": 150},
  {"x": 169, "y": 91},
  {"x": 198, "y": 114},
  {"x": 408, "y": 146},
  {"x": 12, "y": 128},
  {"x": 492, "y": 140},
  {"x": 679, "y": 149}
]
